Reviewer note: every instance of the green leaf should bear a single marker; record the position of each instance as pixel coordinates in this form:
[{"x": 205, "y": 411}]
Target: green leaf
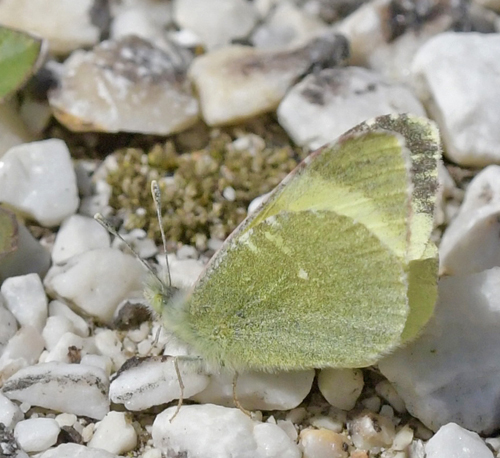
[{"x": 20, "y": 57}]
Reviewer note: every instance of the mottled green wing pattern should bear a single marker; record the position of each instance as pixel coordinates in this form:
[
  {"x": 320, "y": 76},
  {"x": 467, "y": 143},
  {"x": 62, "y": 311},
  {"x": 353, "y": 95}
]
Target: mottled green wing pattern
[
  {"x": 336, "y": 269},
  {"x": 423, "y": 145},
  {"x": 337, "y": 300}
]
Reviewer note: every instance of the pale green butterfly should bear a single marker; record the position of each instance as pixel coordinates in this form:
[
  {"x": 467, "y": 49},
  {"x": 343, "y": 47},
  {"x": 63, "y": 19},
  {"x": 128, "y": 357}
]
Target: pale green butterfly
[{"x": 335, "y": 269}]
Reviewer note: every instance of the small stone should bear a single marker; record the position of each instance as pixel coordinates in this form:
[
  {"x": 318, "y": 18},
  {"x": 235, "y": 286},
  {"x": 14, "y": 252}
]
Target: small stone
[
  {"x": 238, "y": 82},
  {"x": 71, "y": 348},
  {"x": 100, "y": 361},
  {"x": 146, "y": 19},
  {"x": 183, "y": 272},
  {"x": 8, "y": 325},
  {"x": 470, "y": 242},
  {"x": 10, "y": 414},
  {"x": 341, "y": 387},
  {"x": 70, "y": 388},
  {"x": 146, "y": 89},
  {"x": 403, "y": 438},
  {"x": 453, "y": 440},
  {"x": 96, "y": 281},
  {"x": 187, "y": 252},
  {"x": 259, "y": 390},
  {"x": 108, "y": 344},
  {"x": 287, "y": 26},
  {"x": 25, "y": 298},
  {"x": 59, "y": 309},
  {"x": 38, "y": 179},
  {"x": 430, "y": 375},
  {"x": 326, "y": 104},
  {"x": 66, "y": 419},
  {"x": 385, "y": 390},
  {"x": 208, "y": 431},
  {"x": 76, "y": 235},
  {"x": 36, "y": 434},
  {"x": 54, "y": 329},
  {"x": 323, "y": 443},
  {"x": 76, "y": 451},
  {"x": 216, "y": 23},
  {"x": 23, "y": 349},
  {"x": 371, "y": 431},
  {"x": 463, "y": 103},
  {"x": 335, "y": 421},
  {"x": 115, "y": 434},
  {"x": 65, "y": 24},
  {"x": 145, "y": 382}
]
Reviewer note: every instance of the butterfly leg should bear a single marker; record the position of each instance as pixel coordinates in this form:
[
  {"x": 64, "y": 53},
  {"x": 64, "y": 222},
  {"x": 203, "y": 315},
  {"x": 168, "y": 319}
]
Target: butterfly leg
[
  {"x": 181, "y": 386},
  {"x": 235, "y": 397}
]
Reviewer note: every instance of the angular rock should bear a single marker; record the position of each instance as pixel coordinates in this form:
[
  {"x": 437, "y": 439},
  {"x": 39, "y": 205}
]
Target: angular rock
[
  {"x": 37, "y": 434},
  {"x": 213, "y": 431},
  {"x": 39, "y": 179},
  {"x": 470, "y": 242},
  {"x": 258, "y": 390},
  {"x": 114, "y": 434},
  {"x": 95, "y": 282},
  {"x": 237, "y": 82},
  {"x": 126, "y": 85},
  {"x": 287, "y": 26},
  {"x": 143, "y": 383},
  {"x": 25, "y": 298},
  {"x": 76, "y": 235},
  {"x": 453, "y": 440},
  {"x": 450, "y": 373},
  {"x": 70, "y": 388},
  {"x": 464, "y": 103},
  {"x": 217, "y": 22},
  {"x": 67, "y": 25},
  {"x": 326, "y": 104}
]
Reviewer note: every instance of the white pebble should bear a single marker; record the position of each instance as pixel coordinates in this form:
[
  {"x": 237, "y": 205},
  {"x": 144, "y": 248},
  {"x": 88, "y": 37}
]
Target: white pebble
[
  {"x": 322, "y": 443},
  {"x": 39, "y": 179},
  {"x": 70, "y": 348},
  {"x": 76, "y": 235},
  {"x": 452, "y": 440},
  {"x": 70, "y": 388},
  {"x": 216, "y": 23},
  {"x": 457, "y": 76},
  {"x": 10, "y": 413},
  {"x": 8, "y": 325},
  {"x": 259, "y": 390},
  {"x": 385, "y": 390},
  {"x": 103, "y": 362},
  {"x": 341, "y": 387},
  {"x": 58, "y": 308},
  {"x": 54, "y": 329},
  {"x": 23, "y": 349},
  {"x": 403, "y": 438},
  {"x": 371, "y": 431},
  {"x": 108, "y": 344},
  {"x": 26, "y": 299},
  {"x": 96, "y": 281},
  {"x": 115, "y": 434},
  {"x": 141, "y": 384},
  {"x": 208, "y": 431},
  {"x": 76, "y": 451},
  {"x": 66, "y": 419},
  {"x": 36, "y": 434}
]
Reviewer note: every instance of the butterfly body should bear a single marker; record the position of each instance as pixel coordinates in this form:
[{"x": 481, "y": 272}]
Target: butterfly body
[{"x": 335, "y": 269}]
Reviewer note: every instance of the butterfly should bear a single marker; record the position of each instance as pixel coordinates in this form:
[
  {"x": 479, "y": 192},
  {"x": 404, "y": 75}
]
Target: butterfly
[{"x": 335, "y": 269}]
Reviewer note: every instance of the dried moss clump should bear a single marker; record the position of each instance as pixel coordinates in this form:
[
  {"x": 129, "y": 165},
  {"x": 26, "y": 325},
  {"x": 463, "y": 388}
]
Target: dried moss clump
[{"x": 205, "y": 193}]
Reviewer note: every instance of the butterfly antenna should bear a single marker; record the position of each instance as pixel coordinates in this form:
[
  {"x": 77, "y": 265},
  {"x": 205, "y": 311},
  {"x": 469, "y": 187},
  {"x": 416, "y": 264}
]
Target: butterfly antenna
[
  {"x": 100, "y": 219},
  {"x": 155, "y": 191}
]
